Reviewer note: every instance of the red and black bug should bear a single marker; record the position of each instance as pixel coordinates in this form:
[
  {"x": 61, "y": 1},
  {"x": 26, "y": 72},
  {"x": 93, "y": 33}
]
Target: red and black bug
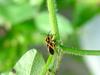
[{"x": 50, "y": 43}]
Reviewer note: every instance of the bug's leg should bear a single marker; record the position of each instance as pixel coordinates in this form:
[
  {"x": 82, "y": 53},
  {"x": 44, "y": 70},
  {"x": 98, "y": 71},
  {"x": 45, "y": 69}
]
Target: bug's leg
[
  {"x": 50, "y": 44},
  {"x": 47, "y": 40}
]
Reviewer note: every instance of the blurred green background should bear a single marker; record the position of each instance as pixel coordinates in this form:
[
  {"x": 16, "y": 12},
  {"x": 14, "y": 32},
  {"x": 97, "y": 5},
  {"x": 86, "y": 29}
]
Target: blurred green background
[{"x": 24, "y": 24}]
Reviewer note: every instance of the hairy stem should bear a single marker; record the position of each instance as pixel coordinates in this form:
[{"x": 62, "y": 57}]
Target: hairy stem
[
  {"x": 48, "y": 65},
  {"x": 53, "y": 18},
  {"x": 53, "y": 60},
  {"x": 80, "y": 52}
]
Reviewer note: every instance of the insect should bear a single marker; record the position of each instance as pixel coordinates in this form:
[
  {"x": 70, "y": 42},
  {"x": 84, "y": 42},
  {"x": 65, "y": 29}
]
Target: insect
[
  {"x": 50, "y": 71},
  {"x": 13, "y": 70},
  {"x": 50, "y": 43}
]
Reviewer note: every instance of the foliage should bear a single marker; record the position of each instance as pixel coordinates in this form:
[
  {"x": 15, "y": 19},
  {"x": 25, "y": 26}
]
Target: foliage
[{"x": 25, "y": 22}]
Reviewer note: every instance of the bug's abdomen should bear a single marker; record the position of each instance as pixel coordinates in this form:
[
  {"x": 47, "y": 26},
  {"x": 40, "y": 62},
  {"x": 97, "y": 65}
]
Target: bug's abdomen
[{"x": 51, "y": 50}]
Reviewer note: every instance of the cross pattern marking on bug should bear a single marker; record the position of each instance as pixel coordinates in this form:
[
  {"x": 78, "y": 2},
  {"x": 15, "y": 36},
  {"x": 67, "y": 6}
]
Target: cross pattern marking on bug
[{"x": 50, "y": 43}]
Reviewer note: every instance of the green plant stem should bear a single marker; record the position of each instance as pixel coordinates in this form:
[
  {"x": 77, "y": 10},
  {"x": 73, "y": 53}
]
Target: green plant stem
[
  {"x": 53, "y": 18},
  {"x": 53, "y": 60},
  {"x": 80, "y": 52},
  {"x": 49, "y": 64}
]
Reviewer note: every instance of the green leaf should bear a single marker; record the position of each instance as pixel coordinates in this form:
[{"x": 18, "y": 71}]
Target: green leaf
[
  {"x": 15, "y": 43},
  {"x": 12, "y": 47},
  {"x": 19, "y": 13},
  {"x": 4, "y": 73},
  {"x": 29, "y": 31},
  {"x": 3, "y": 2},
  {"x": 84, "y": 11},
  {"x": 36, "y": 2},
  {"x": 7, "y": 58},
  {"x": 20, "y": 1},
  {"x": 31, "y": 63},
  {"x": 42, "y": 21},
  {"x": 63, "y": 4}
]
